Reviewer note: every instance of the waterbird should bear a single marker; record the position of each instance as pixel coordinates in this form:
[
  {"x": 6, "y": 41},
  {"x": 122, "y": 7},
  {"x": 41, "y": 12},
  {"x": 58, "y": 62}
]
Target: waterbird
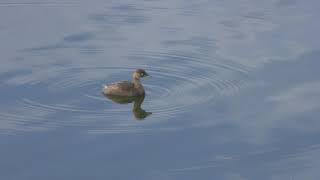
[{"x": 127, "y": 88}]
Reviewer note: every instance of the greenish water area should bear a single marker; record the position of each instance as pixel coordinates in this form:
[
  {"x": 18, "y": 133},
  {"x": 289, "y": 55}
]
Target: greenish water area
[{"x": 234, "y": 92}]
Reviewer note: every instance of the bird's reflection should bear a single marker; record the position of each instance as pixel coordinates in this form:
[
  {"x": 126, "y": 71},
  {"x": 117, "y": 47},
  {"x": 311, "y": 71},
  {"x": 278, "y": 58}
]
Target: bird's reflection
[{"x": 138, "y": 112}]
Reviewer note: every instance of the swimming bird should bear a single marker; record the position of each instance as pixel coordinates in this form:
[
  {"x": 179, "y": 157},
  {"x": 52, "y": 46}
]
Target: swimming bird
[{"x": 127, "y": 88}]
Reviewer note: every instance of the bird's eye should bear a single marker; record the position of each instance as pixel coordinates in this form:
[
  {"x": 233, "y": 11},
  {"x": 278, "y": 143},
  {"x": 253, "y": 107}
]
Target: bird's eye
[{"x": 141, "y": 74}]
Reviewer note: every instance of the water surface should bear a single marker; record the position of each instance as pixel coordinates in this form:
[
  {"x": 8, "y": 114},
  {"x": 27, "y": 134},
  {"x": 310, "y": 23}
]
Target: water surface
[{"x": 234, "y": 92}]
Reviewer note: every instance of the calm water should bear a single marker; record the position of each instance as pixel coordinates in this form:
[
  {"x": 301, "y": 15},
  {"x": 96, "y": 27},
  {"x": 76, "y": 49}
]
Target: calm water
[{"x": 234, "y": 93}]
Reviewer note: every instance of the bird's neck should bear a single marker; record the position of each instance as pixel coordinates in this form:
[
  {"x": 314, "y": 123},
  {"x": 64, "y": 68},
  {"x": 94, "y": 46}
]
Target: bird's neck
[{"x": 137, "y": 83}]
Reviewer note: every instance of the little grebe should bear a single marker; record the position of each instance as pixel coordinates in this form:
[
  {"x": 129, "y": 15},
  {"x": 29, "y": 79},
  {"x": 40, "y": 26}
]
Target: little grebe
[{"x": 126, "y": 88}]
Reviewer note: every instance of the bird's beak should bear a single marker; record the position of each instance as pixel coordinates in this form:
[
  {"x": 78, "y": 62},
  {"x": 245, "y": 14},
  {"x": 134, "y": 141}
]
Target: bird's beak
[{"x": 147, "y": 75}]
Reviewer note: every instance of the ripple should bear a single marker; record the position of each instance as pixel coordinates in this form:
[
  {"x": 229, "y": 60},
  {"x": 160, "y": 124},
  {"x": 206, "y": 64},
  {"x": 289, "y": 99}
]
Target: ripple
[{"x": 180, "y": 83}]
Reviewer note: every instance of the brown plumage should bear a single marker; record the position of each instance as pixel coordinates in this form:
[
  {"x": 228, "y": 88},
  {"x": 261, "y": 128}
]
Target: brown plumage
[{"x": 126, "y": 88}]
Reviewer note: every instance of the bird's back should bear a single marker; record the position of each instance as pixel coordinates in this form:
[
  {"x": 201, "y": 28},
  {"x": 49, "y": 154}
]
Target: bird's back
[{"x": 124, "y": 88}]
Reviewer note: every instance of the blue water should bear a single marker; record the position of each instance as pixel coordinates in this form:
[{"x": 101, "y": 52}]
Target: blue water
[{"x": 234, "y": 93}]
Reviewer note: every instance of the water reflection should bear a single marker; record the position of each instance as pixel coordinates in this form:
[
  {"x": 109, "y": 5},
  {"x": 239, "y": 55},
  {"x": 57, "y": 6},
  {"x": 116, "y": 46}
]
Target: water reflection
[
  {"x": 137, "y": 101},
  {"x": 234, "y": 84}
]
